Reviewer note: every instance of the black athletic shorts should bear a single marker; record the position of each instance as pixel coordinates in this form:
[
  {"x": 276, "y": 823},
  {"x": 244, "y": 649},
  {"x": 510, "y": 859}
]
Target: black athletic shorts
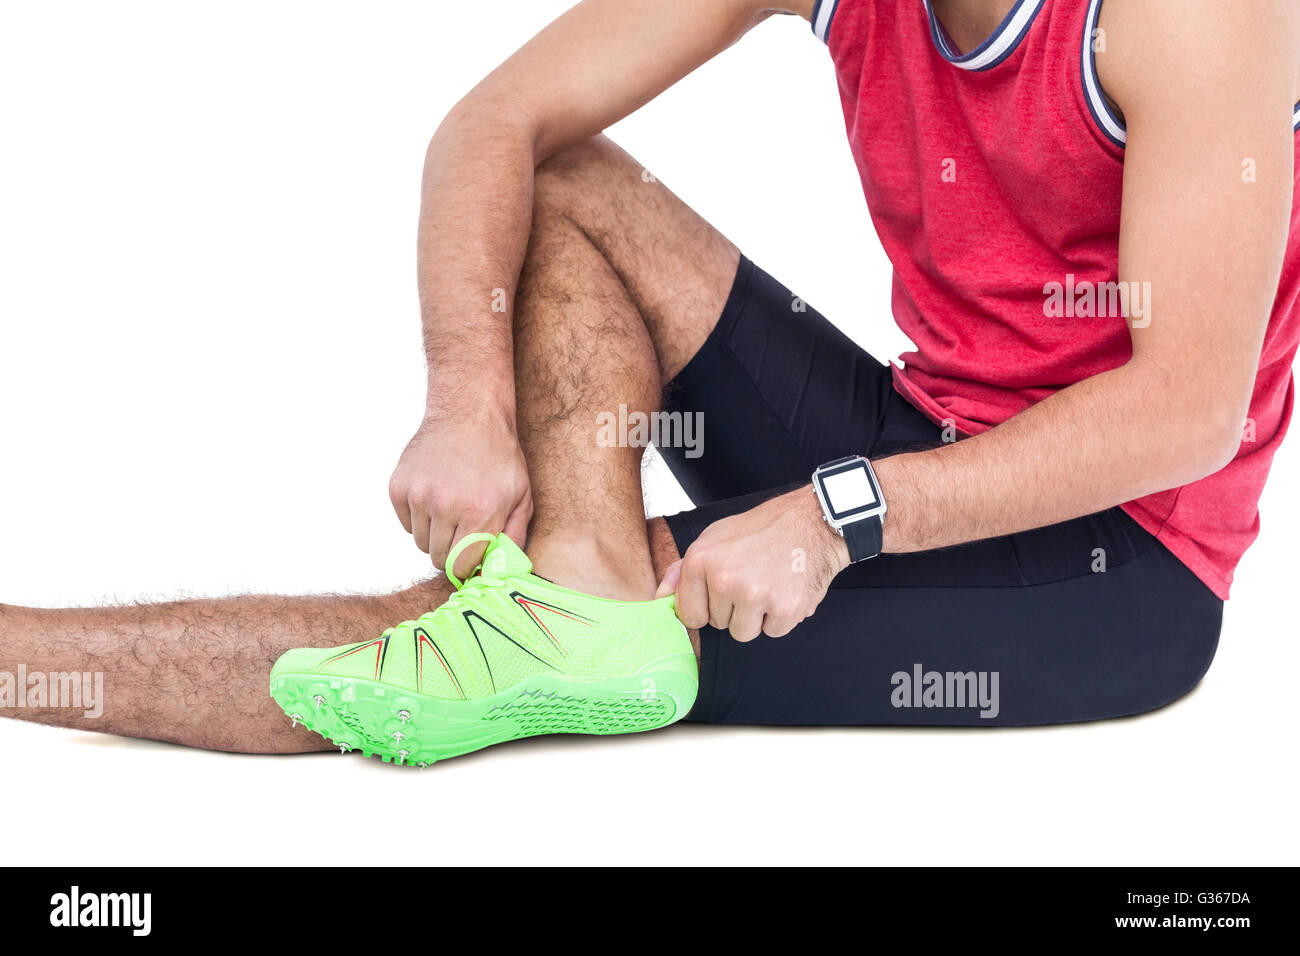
[{"x": 1024, "y": 629}]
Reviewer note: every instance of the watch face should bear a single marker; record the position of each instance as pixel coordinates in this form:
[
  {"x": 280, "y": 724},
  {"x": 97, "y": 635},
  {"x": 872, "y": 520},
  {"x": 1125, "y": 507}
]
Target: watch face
[{"x": 849, "y": 490}]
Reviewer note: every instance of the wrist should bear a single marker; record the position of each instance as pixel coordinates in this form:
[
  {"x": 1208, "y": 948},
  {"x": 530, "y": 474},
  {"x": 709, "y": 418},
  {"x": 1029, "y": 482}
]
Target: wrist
[
  {"x": 852, "y": 505},
  {"x": 893, "y": 529},
  {"x": 829, "y": 541},
  {"x": 482, "y": 408}
]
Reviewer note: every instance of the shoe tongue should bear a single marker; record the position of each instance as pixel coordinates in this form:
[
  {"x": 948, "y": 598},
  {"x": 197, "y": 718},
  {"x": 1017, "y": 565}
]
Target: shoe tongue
[{"x": 504, "y": 559}]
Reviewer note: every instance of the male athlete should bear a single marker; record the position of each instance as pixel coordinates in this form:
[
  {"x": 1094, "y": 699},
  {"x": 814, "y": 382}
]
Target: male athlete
[{"x": 1033, "y": 517}]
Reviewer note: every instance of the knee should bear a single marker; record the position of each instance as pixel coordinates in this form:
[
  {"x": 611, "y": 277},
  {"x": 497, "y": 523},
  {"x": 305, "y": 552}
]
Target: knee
[
  {"x": 580, "y": 170},
  {"x": 1182, "y": 671},
  {"x": 1146, "y": 678}
]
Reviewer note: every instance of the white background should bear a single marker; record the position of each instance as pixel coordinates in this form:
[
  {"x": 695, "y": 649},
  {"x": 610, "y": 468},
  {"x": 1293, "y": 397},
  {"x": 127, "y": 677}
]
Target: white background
[{"x": 210, "y": 360}]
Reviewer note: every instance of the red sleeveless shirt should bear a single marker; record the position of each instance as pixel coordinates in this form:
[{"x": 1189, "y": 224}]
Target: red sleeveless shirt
[{"x": 991, "y": 175}]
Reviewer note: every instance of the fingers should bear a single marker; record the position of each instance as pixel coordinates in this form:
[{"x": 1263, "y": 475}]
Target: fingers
[
  {"x": 420, "y": 524},
  {"x": 704, "y": 594},
  {"x": 746, "y": 622},
  {"x": 669, "y": 584},
  {"x": 779, "y": 625},
  {"x": 442, "y": 535},
  {"x": 721, "y": 608},
  {"x": 736, "y": 577},
  {"x": 438, "y": 519},
  {"x": 436, "y": 527},
  {"x": 468, "y": 560},
  {"x": 517, "y": 524},
  {"x": 783, "y": 616},
  {"x": 440, "y": 495},
  {"x": 398, "y": 496},
  {"x": 471, "y": 557},
  {"x": 727, "y": 600},
  {"x": 476, "y": 514},
  {"x": 692, "y": 592}
]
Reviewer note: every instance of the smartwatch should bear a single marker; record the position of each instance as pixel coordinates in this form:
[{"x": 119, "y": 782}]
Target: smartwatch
[{"x": 852, "y": 504}]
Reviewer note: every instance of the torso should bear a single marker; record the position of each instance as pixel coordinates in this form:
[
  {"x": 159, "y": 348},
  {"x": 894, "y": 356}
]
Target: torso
[{"x": 993, "y": 168}]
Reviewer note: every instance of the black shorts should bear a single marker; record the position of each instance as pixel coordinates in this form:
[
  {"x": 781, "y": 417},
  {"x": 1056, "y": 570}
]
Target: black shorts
[{"x": 1024, "y": 629}]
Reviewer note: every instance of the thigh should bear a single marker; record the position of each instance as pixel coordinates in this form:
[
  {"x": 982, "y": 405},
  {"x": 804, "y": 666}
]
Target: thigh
[
  {"x": 1088, "y": 619},
  {"x": 776, "y": 390},
  {"x": 675, "y": 266}
]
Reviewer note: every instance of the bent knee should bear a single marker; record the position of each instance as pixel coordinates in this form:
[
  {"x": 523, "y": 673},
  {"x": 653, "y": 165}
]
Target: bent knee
[
  {"x": 1178, "y": 674},
  {"x": 594, "y": 167}
]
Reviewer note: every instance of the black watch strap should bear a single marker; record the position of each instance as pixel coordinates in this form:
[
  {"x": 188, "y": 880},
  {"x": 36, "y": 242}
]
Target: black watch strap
[{"x": 865, "y": 538}]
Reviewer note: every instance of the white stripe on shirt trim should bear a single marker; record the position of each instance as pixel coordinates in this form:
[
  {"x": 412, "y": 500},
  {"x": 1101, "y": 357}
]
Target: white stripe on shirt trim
[
  {"x": 1106, "y": 118},
  {"x": 822, "y": 17},
  {"x": 998, "y": 45},
  {"x": 1110, "y": 124}
]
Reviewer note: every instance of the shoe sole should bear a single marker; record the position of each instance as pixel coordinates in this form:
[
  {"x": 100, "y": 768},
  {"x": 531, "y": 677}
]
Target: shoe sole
[{"x": 410, "y": 729}]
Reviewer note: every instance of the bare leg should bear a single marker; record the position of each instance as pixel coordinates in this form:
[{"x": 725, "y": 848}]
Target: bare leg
[
  {"x": 581, "y": 349},
  {"x": 195, "y": 672},
  {"x": 622, "y": 285}
]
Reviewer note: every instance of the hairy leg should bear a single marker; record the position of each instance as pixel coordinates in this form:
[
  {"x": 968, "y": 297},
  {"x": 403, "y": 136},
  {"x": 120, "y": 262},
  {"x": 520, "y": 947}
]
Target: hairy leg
[
  {"x": 194, "y": 672},
  {"x": 581, "y": 350},
  {"x": 622, "y": 286},
  {"x": 675, "y": 268}
]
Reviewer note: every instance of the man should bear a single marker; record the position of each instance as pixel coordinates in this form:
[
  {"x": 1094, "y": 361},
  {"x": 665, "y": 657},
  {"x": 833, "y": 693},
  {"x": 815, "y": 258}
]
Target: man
[{"x": 1034, "y": 519}]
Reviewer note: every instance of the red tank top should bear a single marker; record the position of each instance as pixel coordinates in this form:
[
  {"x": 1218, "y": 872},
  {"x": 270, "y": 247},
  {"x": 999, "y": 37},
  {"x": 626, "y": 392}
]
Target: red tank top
[{"x": 990, "y": 172}]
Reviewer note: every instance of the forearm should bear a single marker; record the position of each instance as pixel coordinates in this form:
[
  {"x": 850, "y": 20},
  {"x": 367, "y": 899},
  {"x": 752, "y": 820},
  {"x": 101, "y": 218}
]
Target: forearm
[
  {"x": 591, "y": 67},
  {"x": 1104, "y": 441},
  {"x": 476, "y": 208}
]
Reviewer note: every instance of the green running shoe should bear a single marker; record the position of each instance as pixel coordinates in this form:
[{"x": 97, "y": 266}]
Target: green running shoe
[{"x": 509, "y": 655}]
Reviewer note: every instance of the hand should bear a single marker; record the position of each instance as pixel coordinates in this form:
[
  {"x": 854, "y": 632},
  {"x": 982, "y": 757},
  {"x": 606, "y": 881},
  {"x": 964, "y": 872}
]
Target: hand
[
  {"x": 764, "y": 570},
  {"x": 459, "y": 475}
]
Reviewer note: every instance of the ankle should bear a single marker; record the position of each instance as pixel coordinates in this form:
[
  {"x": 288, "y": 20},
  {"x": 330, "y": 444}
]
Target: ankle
[{"x": 588, "y": 564}]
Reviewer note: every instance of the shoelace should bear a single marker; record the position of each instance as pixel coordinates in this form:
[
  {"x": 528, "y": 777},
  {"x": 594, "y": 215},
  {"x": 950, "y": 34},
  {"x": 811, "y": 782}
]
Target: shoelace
[{"x": 475, "y": 585}]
